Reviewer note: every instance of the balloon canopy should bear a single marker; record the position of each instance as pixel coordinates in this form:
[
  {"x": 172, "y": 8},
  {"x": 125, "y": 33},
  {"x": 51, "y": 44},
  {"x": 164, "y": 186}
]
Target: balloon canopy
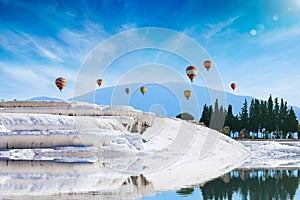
[
  {"x": 143, "y": 90},
  {"x": 207, "y": 64},
  {"x": 99, "y": 82},
  {"x": 233, "y": 86},
  {"x": 187, "y": 94},
  {"x": 191, "y": 72},
  {"x": 60, "y": 83}
]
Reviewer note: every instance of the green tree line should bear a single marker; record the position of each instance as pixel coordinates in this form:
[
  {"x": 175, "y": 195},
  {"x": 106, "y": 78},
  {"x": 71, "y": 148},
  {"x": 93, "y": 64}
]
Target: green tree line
[
  {"x": 270, "y": 118},
  {"x": 249, "y": 184}
]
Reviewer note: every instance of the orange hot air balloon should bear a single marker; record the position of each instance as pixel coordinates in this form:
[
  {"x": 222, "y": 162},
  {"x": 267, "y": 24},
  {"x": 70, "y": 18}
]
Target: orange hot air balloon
[
  {"x": 60, "y": 83},
  {"x": 143, "y": 90},
  {"x": 127, "y": 90},
  {"x": 191, "y": 72},
  {"x": 207, "y": 64},
  {"x": 99, "y": 82},
  {"x": 187, "y": 94},
  {"x": 233, "y": 86}
]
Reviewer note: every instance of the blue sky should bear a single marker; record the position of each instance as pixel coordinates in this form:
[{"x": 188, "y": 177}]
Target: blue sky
[{"x": 253, "y": 43}]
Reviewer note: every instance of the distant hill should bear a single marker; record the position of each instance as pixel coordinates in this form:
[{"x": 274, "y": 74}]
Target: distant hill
[
  {"x": 44, "y": 98},
  {"x": 167, "y": 100}
]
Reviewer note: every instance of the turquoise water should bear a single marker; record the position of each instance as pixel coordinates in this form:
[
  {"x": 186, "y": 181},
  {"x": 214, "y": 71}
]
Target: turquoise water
[
  {"x": 242, "y": 184},
  {"x": 51, "y": 179}
]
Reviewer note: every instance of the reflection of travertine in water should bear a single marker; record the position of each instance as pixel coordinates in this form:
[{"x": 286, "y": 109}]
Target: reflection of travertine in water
[
  {"x": 138, "y": 185},
  {"x": 20, "y": 179}
]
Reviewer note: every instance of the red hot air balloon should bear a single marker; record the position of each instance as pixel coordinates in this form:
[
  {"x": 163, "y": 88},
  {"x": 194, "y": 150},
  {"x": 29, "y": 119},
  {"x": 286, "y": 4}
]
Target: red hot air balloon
[
  {"x": 60, "y": 83},
  {"x": 233, "y": 86},
  {"x": 207, "y": 64},
  {"x": 191, "y": 72},
  {"x": 99, "y": 82}
]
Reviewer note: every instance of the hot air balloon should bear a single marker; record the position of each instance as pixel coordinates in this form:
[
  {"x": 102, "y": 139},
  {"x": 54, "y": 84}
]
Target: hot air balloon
[
  {"x": 191, "y": 72},
  {"x": 207, "y": 64},
  {"x": 143, "y": 90},
  {"x": 127, "y": 90},
  {"x": 187, "y": 94},
  {"x": 60, "y": 83},
  {"x": 233, "y": 86},
  {"x": 99, "y": 82}
]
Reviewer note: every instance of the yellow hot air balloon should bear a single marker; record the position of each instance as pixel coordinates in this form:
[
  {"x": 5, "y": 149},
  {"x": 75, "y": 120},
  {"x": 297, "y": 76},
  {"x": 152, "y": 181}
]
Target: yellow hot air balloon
[
  {"x": 60, "y": 83},
  {"x": 187, "y": 94},
  {"x": 143, "y": 90}
]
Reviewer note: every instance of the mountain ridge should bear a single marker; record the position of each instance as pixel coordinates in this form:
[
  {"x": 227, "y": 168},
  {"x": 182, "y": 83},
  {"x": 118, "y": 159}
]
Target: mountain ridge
[{"x": 167, "y": 99}]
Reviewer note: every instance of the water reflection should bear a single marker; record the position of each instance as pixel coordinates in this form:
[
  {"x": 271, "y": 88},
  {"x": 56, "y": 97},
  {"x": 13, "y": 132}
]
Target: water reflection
[
  {"x": 251, "y": 184},
  {"x": 51, "y": 180},
  {"x": 139, "y": 185},
  {"x": 185, "y": 192},
  {"x": 47, "y": 180}
]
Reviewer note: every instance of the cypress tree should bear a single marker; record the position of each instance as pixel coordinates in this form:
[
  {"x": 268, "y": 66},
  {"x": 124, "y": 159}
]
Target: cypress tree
[
  {"x": 292, "y": 122},
  {"x": 222, "y": 111},
  {"x": 209, "y": 115},
  {"x": 229, "y": 117},
  {"x": 270, "y": 123},
  {"x": 232, "y": 121},
  {"x": 217, "y": 117},
  {"x": 263, "y": 117},
  {"x": 222, "y": 115},
  {"x": 244, "y": 119},
  {"x": 257, "y": 115},
  {"x": 216, "y": 108},
  {"x": 283, "y": 112},
  {"x": 204, "y": 111},
  {"x": 276, "y": 115},
  {"x": 252, "y": 117},
  {"x": 205, "y": 117}
]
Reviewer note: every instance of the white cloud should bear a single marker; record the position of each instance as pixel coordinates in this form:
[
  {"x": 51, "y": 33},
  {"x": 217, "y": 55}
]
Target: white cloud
[
  {"x": 25, "y": 76},
  {"x": 23, "y": 44},
  {"x": 281, "y": 34},
  {"x": 12, "y": 41},
  {"x": 214, "y": 29},
  {"x": 42, "y": 50},
  {"x": 128, "y": 26},
  {"x": 79, "y": 43},
  {"x": 68, "y": 45}
]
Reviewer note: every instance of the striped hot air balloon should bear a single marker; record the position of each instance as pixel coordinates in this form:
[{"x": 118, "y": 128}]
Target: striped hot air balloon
[
  {"x": 191, "y": 72},
  {"x": 60, "y": 83}
]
